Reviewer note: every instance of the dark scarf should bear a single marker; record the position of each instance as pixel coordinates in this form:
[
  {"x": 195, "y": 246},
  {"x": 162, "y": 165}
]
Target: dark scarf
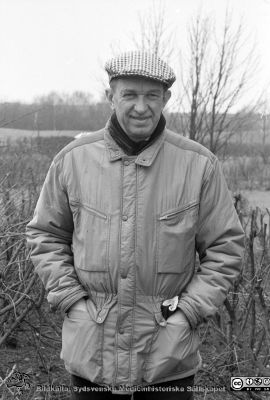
[{"x": 130, "y": 147}]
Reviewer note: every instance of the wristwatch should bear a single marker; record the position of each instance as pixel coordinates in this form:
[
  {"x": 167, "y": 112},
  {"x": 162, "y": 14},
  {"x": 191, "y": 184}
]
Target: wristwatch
[{"x": 169, "y": 306}]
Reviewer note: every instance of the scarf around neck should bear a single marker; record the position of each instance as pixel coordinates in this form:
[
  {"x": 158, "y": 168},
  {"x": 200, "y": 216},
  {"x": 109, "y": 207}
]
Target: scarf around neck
[{"x": 128, "y": 145}]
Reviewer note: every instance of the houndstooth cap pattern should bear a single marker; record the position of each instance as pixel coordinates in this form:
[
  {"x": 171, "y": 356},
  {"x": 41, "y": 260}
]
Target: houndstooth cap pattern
[{"x": 137, "y": 63}]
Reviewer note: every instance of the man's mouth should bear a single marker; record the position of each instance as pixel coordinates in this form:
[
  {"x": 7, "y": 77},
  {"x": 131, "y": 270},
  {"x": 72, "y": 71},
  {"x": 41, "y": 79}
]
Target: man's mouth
[{"x": 140, "y": 118}]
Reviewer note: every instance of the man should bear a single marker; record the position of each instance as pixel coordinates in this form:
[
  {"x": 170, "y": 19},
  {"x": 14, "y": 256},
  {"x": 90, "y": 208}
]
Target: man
[{"x": 120, "y": 217}]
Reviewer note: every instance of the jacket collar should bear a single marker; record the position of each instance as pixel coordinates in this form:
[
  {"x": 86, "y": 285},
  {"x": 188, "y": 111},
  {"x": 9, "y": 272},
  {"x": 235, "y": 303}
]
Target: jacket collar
[{"x": 145, "y": 158}]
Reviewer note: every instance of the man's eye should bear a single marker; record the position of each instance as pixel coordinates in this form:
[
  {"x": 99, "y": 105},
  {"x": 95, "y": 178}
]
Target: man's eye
[
  {"x": 128, "y": 95},
  {"x": 153, "y": 96}
]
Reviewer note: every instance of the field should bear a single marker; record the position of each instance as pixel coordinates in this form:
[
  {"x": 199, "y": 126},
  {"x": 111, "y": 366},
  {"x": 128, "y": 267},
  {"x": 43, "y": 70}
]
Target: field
[
  {"x": 234, "y": 343},
  {"x": 258, "y": 198},
  {"x": 18, "y": 134}
]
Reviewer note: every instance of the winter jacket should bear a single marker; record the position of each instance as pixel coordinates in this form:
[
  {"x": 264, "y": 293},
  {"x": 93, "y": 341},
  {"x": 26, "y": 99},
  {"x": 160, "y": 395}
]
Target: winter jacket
[{"x": 122, "y": 232}]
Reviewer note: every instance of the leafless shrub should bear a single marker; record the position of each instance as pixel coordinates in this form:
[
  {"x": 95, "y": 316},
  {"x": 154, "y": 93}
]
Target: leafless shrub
[
  {"x": 29, "y": 338},
  {"x": 237, "y": 340},
  {"x": 247, "y": 172}
]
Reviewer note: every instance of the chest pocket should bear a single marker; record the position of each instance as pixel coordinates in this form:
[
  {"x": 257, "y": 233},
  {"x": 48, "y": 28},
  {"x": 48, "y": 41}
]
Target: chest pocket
[
  {"x": 176, "y": 231},
  {"x": 91, "y": 238}
]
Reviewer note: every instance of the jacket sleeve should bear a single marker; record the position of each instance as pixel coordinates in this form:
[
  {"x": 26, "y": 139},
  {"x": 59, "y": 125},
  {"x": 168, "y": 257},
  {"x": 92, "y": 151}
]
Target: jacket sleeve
[
  {"x": 49, "y": 236},
  {"x": 220, "y": 245}
]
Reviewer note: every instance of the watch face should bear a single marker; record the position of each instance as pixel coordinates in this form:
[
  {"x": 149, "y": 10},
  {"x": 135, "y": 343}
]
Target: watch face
[{"x": 171, "y": 303}]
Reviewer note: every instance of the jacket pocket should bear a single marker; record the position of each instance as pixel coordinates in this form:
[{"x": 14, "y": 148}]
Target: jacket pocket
[
  {"x": 81, "y": 342},
  {"x": 83, "y": 337},
  {"x": 176, "y": 238},
  {"x": 174, "y": 349},
  {"x": 91, "y": 237}
]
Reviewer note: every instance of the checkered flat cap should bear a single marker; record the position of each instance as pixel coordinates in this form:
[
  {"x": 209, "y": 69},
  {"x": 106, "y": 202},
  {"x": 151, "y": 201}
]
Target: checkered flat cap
[{"x": 137, "y": 63}]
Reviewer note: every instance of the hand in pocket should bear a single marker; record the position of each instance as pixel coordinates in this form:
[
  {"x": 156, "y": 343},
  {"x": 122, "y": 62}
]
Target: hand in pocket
[{"x": 79, "y": 305}]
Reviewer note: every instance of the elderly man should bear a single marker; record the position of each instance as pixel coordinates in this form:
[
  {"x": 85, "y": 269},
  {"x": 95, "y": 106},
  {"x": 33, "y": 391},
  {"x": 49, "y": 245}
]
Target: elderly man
[{"x": 121, "y": 215}]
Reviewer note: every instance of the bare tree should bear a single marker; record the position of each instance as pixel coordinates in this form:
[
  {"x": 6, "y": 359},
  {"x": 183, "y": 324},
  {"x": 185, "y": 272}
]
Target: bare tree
[
  {"x": 198, "y": 43},
  {"x": 215, "y": 74},
  {"x": 155, "y": 35},
  {"x": 265, "y": 130},
  {"x": 219, "y": 73}
]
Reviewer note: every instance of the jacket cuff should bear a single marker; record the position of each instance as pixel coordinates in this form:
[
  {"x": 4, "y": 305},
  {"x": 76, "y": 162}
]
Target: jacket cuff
[
  {"x": 189, "y": 313},
  {"x": 67, "y": 302}
]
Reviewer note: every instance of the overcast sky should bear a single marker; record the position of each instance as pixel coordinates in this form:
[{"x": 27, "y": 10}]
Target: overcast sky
[{"x": 61, "y": 45}]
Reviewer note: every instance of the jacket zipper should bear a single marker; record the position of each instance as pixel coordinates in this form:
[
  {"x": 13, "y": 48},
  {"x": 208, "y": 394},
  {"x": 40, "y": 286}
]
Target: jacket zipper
[
  {"x": 91, "y": 210},
  {"x": 173, "y": 213}
]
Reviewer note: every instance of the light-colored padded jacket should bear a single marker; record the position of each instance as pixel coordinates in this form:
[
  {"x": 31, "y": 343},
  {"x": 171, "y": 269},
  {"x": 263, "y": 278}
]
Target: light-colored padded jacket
[{"x": 122, "y": 231}]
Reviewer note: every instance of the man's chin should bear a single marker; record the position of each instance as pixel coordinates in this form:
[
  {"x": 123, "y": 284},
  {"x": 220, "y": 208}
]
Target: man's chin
[{"x": 138, "y": 137}]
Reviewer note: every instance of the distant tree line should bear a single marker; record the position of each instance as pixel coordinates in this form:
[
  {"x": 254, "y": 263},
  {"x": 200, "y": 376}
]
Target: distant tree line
[
  {"x": 56, "y": 111},
  {"x": 78, "y": 111}
]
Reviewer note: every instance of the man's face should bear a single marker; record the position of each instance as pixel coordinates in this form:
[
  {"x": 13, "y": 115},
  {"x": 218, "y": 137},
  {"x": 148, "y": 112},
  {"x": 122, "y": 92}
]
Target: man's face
[{"x": 138, "y": 104}]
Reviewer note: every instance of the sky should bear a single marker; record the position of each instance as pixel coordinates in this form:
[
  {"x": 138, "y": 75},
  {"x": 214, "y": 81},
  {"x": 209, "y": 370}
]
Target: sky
[{"x": 62, "y": 45}]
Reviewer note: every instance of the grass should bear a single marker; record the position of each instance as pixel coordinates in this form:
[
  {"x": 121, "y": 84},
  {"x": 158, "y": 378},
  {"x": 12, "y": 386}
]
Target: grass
[{"x": 258, "y": 198}]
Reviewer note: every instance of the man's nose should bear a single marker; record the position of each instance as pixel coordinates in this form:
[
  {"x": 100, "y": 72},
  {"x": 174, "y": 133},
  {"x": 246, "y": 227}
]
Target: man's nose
[{"x": 140, "y": 105}]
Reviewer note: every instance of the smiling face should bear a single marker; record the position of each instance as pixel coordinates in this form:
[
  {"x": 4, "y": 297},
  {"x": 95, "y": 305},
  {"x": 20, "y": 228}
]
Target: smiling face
[{"x": 138, "y": 104}]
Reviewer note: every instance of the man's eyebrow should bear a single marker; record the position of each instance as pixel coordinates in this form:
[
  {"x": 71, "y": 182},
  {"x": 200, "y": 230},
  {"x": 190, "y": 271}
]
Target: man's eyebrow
[
  {"x": 128, "y": 91},
  {"x": 157, "y": 91}
]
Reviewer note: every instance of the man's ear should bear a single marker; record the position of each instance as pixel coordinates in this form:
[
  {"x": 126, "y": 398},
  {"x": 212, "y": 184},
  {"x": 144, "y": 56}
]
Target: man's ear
[
  {"x": 109, "y": 96},
  {"x": 167, "y": 96}
]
